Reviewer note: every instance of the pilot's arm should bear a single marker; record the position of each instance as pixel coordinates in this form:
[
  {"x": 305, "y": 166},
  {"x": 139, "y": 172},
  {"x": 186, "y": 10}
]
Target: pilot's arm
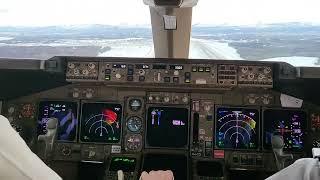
[
  {"x": 17, "y": 161},
  {"x": 302, "y": 169}
]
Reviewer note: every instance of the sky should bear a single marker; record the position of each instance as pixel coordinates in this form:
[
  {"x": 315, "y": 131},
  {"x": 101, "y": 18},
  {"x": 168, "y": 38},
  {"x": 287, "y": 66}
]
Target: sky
[{"x": 134, "y": 12}]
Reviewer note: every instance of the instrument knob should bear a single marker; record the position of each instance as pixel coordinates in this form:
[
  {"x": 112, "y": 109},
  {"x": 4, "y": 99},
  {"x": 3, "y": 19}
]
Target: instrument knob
[{"x": 118, "y": 76}]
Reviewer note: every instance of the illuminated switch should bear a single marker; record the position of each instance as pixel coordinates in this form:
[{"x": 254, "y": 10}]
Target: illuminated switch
[
  {"x": 167, "y": 79},
  {"x": 187, "y": 77},
  {"x": 208, "y": 69},
  {"x": 194, "y": 68},
  {"x": 107, "y": 77},
  {"x": 200, "y": 69},
  {"x": 107, "y": 71}
]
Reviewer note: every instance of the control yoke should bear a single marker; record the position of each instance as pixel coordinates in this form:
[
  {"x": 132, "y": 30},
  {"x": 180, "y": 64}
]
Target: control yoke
[
  {"x": 277, "y": 147},
  {"x": 49, "y": 137}
]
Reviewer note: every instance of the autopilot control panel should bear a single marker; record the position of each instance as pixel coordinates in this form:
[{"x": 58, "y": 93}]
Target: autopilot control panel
[{"x": 203, "y": 119}]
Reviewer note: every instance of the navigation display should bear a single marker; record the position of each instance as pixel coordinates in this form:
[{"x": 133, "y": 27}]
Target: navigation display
[
  {"x": 290, "y": 124},
  {"x": 65, "y": 112},
  {"x": 101, "y": 122},
  {"x": 237, "y": 128},
  {"x": 123, "y": 163},
  {"x": 167, "y": 127}
]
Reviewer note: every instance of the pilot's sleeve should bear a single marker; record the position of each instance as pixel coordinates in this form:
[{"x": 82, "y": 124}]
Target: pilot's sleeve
[
  {"x": 17, "y": 161},
  {"x": 302, "y": 169}
]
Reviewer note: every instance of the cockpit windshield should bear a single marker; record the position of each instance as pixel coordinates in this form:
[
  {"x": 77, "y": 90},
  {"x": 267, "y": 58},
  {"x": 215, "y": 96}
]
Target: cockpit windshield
[
  {"x": 257, "y": 30},
  {"x": 287, "y": 30}
]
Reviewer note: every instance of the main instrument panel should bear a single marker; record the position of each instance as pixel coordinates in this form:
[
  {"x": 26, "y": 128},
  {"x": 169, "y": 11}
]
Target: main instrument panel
[{"x": 144, "y": 114}]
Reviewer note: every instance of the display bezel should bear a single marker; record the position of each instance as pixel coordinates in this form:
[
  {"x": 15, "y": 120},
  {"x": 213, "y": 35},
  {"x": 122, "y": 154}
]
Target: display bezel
[
  {"x": 101, "y": 102},
  {"x": 166, "y": 106},
  {"x": 238, "y": 107},
  {"x": 284, "y": 109},
  {"x": 60, "y": 100}
]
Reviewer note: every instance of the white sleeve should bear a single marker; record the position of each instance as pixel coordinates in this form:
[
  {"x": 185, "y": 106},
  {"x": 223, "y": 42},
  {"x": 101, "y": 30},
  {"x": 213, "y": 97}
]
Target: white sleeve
[
  {"x": 302, "y": 169},
  {"x": 17, "y": 161}
]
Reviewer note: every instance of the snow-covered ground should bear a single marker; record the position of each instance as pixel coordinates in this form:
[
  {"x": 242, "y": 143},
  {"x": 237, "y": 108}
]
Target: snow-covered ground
[
  {"x": 208, "y": 49},
  {"x": 140, "y": 47},
  {"x": 298, "y": 61}
]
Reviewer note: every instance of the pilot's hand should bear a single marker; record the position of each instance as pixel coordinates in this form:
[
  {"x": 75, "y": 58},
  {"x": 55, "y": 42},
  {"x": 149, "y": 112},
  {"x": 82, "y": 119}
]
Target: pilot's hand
[{"x": 157, "y": 175}]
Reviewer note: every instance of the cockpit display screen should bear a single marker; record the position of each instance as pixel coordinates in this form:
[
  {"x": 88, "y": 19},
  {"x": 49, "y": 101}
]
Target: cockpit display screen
[
  {"x": 65, "y": 112},
  {"x": 290, "y": 124},
  {"x": 123, "y": 163},
  {"x": 167, "y": 127},
  {"x": 100, "y": 122},
  {"x": 237, "y": 128}
]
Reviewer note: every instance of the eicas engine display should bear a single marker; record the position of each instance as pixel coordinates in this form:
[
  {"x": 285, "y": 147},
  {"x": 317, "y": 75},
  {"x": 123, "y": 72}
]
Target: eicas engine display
[
  {"x": 65, "y": 113},
  {"x": 167, "y": 127},
  {"x": 100, "y": 122},
  {"x": 237, "y": 128}
]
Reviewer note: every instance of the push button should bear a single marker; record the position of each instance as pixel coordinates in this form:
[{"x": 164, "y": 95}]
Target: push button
[
  {"x": 107, "y": 77},
  {"x": 175, "y": 79},
  {"x": 208, "y": 144},
  {"x": 167, "y": 79},
  {"x": 130, "y": 78},
  {"x": 141, "y": 78}
]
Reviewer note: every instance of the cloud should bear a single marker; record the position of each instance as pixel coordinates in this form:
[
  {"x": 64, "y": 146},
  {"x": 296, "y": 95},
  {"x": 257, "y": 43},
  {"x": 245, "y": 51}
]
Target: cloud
[{"x": 4, "y": 10}]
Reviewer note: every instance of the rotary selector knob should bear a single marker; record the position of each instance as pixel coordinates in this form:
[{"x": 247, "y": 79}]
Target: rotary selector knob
[
  {"x": 267, "y": 70},
  {"x": 11, "y": 110},
  {"x": 166, "y": 99},
  {"x": 142, "y": 72},
  {"x": 157, "y": 98},
  {"x": 118, "y": 76},
  {"x": 261, "y": 76},
  {"x": 85, "y": 72},
  {"x": 266, "y": 99},
  {"x": 251, "y": 76},
  {"x": 91, "y": 65},
  {"x": 89, "y": 95},
  {"x": 66, "y": 151},
  {"x": 150, "y": 98},
  {"x": 252, "y": 98},
  {"x": 76, "y": 72},
  {"x": 185, "y": 99},
  {"x": 207, "y": 108},
  {"x": 176, "y": 73},
  {"x": 244, "y": 70},
  {"x": 75, "y": 94},
  {"x": 71, "y": 65}
]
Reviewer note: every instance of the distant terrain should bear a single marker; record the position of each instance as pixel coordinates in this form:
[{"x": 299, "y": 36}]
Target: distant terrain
[{"x": 250, "y": 42}]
